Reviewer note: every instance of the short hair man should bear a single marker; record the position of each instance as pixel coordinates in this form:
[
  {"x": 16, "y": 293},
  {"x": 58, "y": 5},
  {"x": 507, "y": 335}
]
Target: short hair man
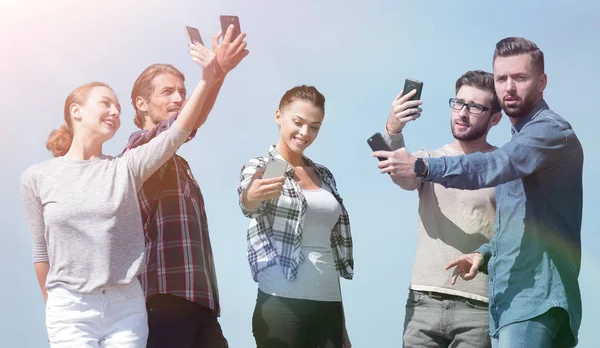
[
  {"x": 451, "y": 222},
  {"x": 179, "y": 280},
  {"x": 534, "y": 258}
]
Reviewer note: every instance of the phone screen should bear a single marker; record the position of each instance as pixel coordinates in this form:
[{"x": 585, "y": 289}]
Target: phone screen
[{"x": 193, "y": 35}]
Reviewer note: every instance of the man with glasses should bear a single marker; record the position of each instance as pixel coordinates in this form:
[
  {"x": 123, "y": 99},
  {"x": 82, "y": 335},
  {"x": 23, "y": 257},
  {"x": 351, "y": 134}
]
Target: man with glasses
[
  {"x": 534, "y": 259},
  {"x": 451, "y": 222}
]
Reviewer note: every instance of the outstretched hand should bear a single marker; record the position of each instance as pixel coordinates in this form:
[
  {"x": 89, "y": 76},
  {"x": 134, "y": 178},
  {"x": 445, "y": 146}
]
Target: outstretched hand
[
  {"x": 229, "y": 52},
  {"x": 399, "y": 164},
  {"x": 259, "y": 190},
  {"x": 206, "y": 59}
]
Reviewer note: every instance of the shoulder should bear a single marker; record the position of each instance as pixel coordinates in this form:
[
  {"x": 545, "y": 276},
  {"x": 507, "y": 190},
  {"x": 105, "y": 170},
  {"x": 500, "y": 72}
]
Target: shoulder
[
  {"x": 254, "y": 164},
  {"x": 30, "y": 176},
  {"x": 256, "y": 161},
  {"x": 549, "y": 120},
  {"x": 135, "y": 139},
  {"x": 549, "y": 125},
  {"x": 136, "y": 134}
]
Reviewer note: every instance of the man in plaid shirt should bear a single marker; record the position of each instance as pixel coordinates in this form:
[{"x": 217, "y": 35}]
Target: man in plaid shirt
[{"x": 179, "y": 280}]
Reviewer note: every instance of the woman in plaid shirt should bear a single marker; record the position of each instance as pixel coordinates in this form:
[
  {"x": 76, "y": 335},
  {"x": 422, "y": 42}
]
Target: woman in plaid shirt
[{"x": 299, "y": 240}]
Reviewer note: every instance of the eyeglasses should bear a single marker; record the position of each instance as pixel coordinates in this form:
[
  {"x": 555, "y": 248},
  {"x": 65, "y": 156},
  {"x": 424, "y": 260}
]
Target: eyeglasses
[{"x": 473, "y": 109}]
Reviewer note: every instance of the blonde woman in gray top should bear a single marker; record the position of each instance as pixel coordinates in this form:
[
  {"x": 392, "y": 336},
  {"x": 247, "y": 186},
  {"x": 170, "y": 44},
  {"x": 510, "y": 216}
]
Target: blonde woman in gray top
[
  {"x": 439, "y": 312},
  {"x": 82, "y": 209}
]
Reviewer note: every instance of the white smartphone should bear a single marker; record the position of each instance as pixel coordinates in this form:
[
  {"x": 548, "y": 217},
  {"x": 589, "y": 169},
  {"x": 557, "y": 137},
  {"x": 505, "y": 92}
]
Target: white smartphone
[
  {"x": 275, "y": 168},
  {"x": 193, "y": 35}
]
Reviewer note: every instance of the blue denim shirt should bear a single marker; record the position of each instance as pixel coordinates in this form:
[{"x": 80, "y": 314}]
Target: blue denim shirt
[{"x": 534, "y": 259}]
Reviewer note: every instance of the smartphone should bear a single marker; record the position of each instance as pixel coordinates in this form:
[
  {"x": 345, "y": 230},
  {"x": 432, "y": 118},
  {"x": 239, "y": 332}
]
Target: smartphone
[
  {"x": 275, "y": 168},
  {"x": 193, "y": 35},
  {"x": 410, "y": 84},
  {"x": 377, "y": 143},
  {"x": 228, "y": 20}
]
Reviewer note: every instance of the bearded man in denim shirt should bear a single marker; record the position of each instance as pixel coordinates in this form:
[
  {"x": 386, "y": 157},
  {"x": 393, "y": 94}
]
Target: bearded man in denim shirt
[{"x": 534, "y": 259}]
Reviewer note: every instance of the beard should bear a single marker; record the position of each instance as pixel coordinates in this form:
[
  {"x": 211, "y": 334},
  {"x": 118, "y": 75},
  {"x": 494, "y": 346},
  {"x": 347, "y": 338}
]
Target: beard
[
  {"x": 523, "y": 107},
  {"x": 472, "y": 133},
  {"x": 156, "y": 115}
]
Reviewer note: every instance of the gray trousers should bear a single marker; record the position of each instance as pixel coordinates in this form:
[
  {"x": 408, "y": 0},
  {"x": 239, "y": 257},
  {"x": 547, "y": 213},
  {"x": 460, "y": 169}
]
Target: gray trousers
[{"x": 436, "y": 320}]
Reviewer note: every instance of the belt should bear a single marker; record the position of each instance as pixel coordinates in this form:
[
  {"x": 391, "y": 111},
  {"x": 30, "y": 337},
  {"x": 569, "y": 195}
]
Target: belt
[
  {"x": 441, "y": 296},
  {"x": 434, "y": 294}
]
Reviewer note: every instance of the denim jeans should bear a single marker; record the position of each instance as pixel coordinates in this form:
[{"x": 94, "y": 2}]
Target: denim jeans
[
  {"x": 107, "y": 318},
  {"x": 436, "y": 320},
  {"x": 549, "y": 330}
]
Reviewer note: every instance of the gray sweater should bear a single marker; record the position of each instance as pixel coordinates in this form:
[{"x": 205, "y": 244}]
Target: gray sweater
[
  {"x": 451, "y": 222},
  {"x": 84, "y": 215}
]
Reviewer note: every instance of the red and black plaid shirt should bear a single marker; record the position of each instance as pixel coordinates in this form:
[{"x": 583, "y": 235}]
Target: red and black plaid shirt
[{"x": 179, "y": 259}]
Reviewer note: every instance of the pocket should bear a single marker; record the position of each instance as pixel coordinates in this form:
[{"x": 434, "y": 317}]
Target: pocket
[
  {"x": 515, "y": 194},
  {"x": 474, "y": 304},
  {"x": 415, "y": 299},
  {"x": 515, "y": 188},
  {"x": 135, "y": 292},
  {"x": 62, "y": 300}
]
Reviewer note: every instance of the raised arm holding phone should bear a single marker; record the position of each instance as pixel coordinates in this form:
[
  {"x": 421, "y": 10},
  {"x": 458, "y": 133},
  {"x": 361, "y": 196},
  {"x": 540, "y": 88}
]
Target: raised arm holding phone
[
  {"x": 440, "y": 312},
  {"x": 179, "y": 281}
]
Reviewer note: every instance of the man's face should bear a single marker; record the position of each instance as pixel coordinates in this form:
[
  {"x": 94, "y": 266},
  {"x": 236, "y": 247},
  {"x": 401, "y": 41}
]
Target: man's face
[
  {"x": 168, "y": 95},
  {"x": 469, "y": 126},
  {"x": 518, "y": 85}
]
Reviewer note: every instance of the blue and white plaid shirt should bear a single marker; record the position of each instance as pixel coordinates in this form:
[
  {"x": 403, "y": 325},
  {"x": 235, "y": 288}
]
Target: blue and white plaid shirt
[{"x": 275, "y": 231}]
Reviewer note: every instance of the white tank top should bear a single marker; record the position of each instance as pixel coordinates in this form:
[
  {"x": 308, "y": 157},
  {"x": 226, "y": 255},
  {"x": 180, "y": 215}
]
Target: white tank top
[{"x": 317, "y": 277}]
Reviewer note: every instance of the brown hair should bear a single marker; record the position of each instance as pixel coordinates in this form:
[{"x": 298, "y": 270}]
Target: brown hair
[
  {"x": 516, "y": 46},
  {"x": 304, "y": 92},
  {"x": 143, "y": 86},
  {"x": 59, "y": 141},
  {"x": 481, "y": 80}
]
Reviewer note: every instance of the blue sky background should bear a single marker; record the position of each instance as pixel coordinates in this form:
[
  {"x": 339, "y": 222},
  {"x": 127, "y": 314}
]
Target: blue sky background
[{"x": 357, "y": 53}]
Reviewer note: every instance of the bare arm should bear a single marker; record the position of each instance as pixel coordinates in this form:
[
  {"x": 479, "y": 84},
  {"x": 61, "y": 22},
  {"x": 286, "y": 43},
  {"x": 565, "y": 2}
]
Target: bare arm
[
  {"x": 209, "y": 103},
  {"x": 146, "y": 159},
  {"x": 229, "y": 55},
  {"x": 41, "y": 271},
  {"x": 190, "y": 113}
]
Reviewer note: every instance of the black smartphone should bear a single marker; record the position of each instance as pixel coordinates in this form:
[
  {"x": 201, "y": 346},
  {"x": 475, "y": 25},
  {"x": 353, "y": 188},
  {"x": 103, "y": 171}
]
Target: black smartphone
[
  {"x": 410, "y": 84},
  {"x": 228, "y": 20},
  {"x": 193, "y": 35},
  {"x": 377, "y": 143}
]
